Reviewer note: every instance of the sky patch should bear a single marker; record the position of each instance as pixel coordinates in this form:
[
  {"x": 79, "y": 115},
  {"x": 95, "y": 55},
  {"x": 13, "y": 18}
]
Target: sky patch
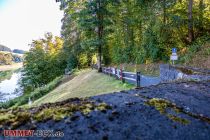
[
  {"x": 25, "y": 20},
  {"x": 2, "y": 2}
]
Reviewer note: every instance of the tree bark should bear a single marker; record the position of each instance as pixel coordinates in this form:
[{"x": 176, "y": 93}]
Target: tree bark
[
  {"x": 201, "y": 8},
  {"x": 190, "y": 21},
  {"x": 100, "y": 34}
]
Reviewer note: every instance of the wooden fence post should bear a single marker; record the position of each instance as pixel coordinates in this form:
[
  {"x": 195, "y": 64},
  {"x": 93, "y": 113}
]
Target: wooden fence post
[
  {"x": 138, "y": 79},
  {"x": 115, "y": 69},
  {"x": 121, "y": 76}
]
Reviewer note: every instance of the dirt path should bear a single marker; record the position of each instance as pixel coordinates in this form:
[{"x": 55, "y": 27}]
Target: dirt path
[{"x": 11, "y": 67}]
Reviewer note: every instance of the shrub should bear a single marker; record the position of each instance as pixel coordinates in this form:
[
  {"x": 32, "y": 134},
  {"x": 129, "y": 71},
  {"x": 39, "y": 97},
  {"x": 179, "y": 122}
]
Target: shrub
[{"x": 83, "y": 61}]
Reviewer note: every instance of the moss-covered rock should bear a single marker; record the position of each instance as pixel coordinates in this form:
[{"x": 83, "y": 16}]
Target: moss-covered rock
[
  {"x": 178, "y": 119},
  {"x": 160, "y": 104},
  {"x": 163, "y": 105},
  {"x": 13, "y": 118}
]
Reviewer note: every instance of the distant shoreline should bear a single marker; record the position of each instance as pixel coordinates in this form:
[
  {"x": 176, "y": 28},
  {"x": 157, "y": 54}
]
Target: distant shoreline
[{"x": 11, "y": 67}]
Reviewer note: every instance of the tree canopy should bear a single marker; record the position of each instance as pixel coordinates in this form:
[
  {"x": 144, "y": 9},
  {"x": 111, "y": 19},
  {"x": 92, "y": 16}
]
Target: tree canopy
[
  {"x": 43, "y": 63},
  {"x": 113, "y": 32},
  {"x": 132, "y": 31}
]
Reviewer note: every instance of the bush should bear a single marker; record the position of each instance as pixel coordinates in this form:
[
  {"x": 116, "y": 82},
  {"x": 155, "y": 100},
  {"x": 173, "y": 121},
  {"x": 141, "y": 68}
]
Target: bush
[
  {"x": 43, "y": 63},
  {"x": 72, "y": 62},
  {"x": 94, "y": 59},
  {"x": 83, "y": 61},
  {"x": 193, "y": 49}
]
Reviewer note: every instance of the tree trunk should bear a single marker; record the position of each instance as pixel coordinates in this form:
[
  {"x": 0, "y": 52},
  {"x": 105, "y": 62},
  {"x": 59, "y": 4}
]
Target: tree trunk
[
  {"x": 190, "y": 21},
  {"x": 100, "y": 58},
  {"x": 201, "y": 8},
  {"x": 100, "y": 34}
]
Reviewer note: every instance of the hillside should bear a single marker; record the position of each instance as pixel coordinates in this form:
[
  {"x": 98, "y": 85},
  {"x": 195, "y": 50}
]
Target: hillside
[
  {"x": 7, "y": 56},
  {"x": 18, "y": 51},
  {"x": 201, "y": 58},
  {"x": 7, "y": 49},
  {"x": 87, "y": 83},
  {"x": 4, "y": 48}
]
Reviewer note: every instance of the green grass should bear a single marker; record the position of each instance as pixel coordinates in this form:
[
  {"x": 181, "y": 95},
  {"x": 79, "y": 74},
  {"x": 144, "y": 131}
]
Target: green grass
[
  {"x": 87, "y": 83},
  {"x": 145, "y": 69}
]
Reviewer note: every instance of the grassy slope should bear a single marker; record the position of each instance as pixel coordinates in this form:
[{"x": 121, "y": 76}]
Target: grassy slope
[
  {"x": 201, "y": 58},
  {"x": 87, "y": 83}
]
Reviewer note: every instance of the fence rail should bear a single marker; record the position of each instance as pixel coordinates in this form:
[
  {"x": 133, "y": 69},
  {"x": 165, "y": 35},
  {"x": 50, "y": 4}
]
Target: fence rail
[
  {"x": 167, "y": 73},
  {"x": 129, "y": 77}
]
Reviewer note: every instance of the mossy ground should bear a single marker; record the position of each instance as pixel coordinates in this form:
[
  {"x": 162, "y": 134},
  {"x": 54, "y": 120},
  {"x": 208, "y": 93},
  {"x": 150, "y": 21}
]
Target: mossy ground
[
  {"x": 13, "y": 118},
  {"x": 163, "y": 105}
]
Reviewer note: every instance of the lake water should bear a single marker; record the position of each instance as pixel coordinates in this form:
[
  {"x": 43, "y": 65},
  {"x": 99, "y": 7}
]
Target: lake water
[{"x": 9, "y": 88}]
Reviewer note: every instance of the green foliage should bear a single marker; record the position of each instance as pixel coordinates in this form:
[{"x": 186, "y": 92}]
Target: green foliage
[
  {"x": 43, "y": 63},
  {"x": 207, "y": 51},
  {"x": 72, "y": 62},
  {"x": 194, "y": 48},
  {"x": 133, "y": 31},
  {"x": 83, "y": 61},
  {"x": 5, "y": 74},
  {"x": 94, "y": 59}
]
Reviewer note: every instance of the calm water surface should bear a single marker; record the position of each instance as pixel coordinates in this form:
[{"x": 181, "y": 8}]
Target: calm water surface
[{"x": 9, "y": 88}]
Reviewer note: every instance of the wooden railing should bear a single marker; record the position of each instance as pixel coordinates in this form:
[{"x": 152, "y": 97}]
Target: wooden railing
[{"x": 129, "y": 77}]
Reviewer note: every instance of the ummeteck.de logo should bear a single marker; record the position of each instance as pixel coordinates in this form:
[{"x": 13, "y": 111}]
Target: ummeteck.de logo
[
  {"x": 32, "y": 133},
  {"x": 18, "y": 133}
]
